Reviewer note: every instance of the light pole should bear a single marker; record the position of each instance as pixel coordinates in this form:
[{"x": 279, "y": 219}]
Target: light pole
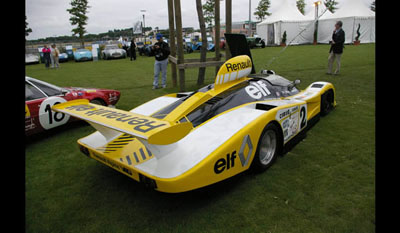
[
  {"x": 144, "y": 25},
  {"x": 249, "y": 18}
]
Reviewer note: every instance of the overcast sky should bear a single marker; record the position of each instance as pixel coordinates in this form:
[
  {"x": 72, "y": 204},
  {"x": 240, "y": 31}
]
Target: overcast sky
[{"x": 49, "y": 17}]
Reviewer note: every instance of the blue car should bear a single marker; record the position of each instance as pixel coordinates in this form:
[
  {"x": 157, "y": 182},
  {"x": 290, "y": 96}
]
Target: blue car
[
  {"x": 83, "y": 55},
  {"x": 63, "y": 57}
]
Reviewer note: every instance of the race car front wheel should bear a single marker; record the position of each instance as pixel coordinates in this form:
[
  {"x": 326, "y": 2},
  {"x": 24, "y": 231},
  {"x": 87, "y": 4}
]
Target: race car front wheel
[
  {"x": 268, "y": 148},
  {"x": 327, "y": 100}
]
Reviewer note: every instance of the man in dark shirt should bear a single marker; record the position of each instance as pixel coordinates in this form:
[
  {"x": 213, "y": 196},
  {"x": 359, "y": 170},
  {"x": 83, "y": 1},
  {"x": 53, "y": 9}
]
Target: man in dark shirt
[
  {"x": 161, "y": 52},
  {"x": 336, "y": 50}
]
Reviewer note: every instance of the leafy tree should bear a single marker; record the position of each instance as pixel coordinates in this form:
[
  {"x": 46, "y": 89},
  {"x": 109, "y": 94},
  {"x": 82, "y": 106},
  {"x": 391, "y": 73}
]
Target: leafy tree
[
  {"x": 78, "y": 11},
  {"x": 262, "y": 9},
  {"x": 331, "y": 5},
  {"x": 208, "y": 13},
  {"x": 27, "y": 29},
  {"x": 300, "y": 5}
]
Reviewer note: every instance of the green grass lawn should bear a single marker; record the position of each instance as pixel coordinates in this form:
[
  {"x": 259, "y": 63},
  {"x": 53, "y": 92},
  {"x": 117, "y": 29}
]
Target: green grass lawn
[{"x": 324, "y": 184}]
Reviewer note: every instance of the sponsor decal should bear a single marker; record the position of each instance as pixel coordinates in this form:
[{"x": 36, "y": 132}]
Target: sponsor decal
[
  {"x": 230, "y": 67},
  {"x": 292, "y": 120},
  {"x": 223, "y": 164},
  {"x": 257, "y": 90},
  {"x": 141, "y": 124},
  {"x": 111, "y": 163}
]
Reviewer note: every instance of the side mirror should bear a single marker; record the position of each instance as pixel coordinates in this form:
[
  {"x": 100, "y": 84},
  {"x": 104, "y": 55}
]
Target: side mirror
[{"x": 293, "y": 84}]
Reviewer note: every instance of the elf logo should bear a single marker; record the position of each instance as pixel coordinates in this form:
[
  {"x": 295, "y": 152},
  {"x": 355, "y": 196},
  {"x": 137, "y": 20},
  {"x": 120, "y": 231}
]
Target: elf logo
[
  {"x": 257, "y": 90},
  {"x": 227, "y": 163}
]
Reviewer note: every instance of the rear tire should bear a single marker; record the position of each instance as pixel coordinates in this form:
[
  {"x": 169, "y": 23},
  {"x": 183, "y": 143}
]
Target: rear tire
[{"x": 268, "y": 148}]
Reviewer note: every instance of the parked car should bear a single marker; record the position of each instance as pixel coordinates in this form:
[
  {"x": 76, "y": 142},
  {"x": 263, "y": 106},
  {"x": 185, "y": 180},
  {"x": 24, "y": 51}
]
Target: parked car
[
  {"x": 83, "y": 55},
  {"x": 255, "y": 42},
  {"x": 40, "y": 96},
  {"x": 63, "y": 57},
  {"x": 31, "y": 58},
  {"x": 113, "y": 51}
]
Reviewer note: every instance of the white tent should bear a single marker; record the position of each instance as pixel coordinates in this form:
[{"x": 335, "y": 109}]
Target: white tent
[
  {"x": 287, "y": 18},
  {"x": 354, "y": 14}
]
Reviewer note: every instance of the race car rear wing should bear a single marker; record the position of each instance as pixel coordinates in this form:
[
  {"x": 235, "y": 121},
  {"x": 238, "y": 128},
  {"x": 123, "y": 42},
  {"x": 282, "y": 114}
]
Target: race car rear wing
[{"x": 154, "y": 131}]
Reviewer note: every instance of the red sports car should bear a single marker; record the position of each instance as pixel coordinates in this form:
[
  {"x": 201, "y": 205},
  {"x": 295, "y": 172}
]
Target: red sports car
[{"x": 41, "y": 96}]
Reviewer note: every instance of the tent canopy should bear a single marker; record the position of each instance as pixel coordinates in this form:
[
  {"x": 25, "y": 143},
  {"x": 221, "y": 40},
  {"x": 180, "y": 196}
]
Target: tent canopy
[
  {"x": 285, "y": 12},
  {"x": 351, "y": 8}
]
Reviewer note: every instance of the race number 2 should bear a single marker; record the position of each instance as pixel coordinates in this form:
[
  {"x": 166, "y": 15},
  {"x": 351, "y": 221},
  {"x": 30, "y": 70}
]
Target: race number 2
[{"x": 48, "y": 118}]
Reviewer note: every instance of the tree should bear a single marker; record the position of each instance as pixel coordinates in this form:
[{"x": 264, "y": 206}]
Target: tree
[
  {"x": 203, "y": 50},
  {"x": 331, "y": 5},
  {"x": 27, "y": 30},
  {"x": 301, "y": 5},
  {"x": 78, "y": 11},
  {"x": 262, "y": 9},
  {"x": 373, "y": 6},
  {"x": 208, "y": 13}
]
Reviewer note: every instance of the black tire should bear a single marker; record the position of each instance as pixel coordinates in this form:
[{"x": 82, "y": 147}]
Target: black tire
[
  {"x": 268, "y": 148},
  {"x": 98, "y": 102},
  {"x": 327, "y": 100}
]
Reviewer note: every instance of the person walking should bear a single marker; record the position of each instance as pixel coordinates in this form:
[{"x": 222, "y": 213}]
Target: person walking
[
  {"x": 132, "y": 49},
  {"x": 336, "y": 50},
  {"x": 46, "y": 55},
  {"x": 161, "y": 52},
  {"x": 55, "y": 53}
]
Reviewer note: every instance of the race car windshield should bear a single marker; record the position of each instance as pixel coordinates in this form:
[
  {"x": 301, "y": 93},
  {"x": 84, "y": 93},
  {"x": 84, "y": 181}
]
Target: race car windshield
[{"x": 242, "y": 93}]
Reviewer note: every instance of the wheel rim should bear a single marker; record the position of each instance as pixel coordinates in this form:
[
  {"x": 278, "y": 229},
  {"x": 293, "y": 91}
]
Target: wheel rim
[{"x": 267, "y": 147}]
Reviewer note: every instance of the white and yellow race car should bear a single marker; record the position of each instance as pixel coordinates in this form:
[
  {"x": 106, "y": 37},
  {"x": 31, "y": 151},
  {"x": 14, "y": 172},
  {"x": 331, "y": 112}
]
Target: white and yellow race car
[{"x": 184, "y": 141}]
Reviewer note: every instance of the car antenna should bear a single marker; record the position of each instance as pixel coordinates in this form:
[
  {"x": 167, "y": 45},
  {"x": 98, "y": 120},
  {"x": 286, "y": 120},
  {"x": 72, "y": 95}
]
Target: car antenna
[{"x": 284, "y": 48}]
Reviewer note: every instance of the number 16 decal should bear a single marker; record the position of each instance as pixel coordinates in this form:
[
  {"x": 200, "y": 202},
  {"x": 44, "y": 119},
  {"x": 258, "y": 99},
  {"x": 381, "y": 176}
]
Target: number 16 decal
[{"x": 48, "y": 118}]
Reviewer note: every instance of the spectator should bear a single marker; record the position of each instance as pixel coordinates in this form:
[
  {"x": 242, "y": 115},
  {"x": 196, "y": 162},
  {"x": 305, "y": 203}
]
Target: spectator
[
  {"x": 161, "y": 52},
  {"x": 132, "y": 49},
  {"x": 55, "y": 56},
  {"x": 46, "y": 55},
  {"x": 336, "y": 49}
]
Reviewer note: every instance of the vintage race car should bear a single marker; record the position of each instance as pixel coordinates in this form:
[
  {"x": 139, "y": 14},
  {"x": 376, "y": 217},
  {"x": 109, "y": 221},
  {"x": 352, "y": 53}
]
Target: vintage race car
[
  {"x": 112, "y": 51},
  {"x": 83, "y": 55},
  {"x": 41, "y": 96},
  {"x": 184, "y": 141}
]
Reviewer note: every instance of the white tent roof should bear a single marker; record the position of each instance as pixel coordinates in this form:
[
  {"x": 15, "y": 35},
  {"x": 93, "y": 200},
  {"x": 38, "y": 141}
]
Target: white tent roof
[
  {"x": 351, "y": 8},
  {"x": 287, "y": 11}
]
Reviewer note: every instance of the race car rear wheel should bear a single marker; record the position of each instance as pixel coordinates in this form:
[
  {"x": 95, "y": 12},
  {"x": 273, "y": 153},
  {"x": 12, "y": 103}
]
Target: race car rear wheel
[{"x": 269, "y": 146}]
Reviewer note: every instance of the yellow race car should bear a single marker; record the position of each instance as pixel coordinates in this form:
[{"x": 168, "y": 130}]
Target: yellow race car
[{"x": 184, "y": 141}]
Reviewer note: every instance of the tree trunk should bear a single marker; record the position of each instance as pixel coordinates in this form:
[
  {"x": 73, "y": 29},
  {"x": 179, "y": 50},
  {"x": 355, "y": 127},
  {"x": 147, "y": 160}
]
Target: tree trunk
[{"x": 203, "y": 51}]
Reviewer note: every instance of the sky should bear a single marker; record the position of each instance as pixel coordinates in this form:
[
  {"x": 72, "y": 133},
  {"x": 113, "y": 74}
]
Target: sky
[{"x": 49, "y": 18}]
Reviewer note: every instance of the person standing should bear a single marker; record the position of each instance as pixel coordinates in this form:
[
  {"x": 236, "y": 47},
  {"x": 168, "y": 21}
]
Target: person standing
[
  {"x": 161, "y": 52},
  {"x": 132, "y": 49},
  {"x": 46, "y": 55},
  {"x": 55, "y": 55},
  {"x": 336, "y": 50}
]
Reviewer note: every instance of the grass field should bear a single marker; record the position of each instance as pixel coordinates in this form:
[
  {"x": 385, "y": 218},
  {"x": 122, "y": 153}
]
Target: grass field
[{"x": 324, "y": 184}]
